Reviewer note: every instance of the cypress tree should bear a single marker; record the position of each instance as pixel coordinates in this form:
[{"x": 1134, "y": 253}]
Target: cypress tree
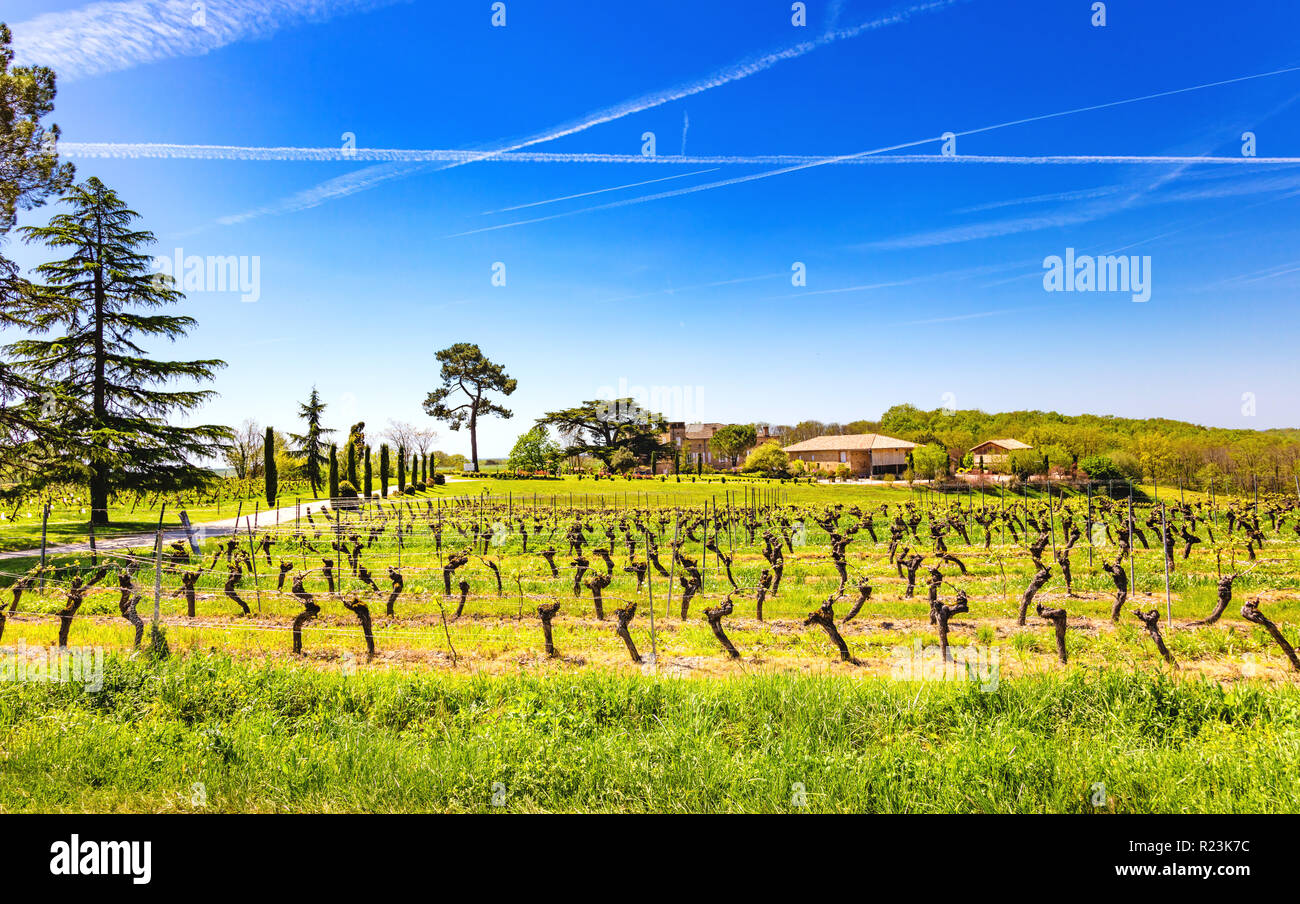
[
  {"x": 334, "y": 471},
  {"x": 383, "y": 470},
  {"x": 352, "y": 464},
  {"x": 268, "y": 469},
  {"x": 311, "y": 445},
  {"x": 401, "y": 470},
  {"x": 369, "y": 481}
]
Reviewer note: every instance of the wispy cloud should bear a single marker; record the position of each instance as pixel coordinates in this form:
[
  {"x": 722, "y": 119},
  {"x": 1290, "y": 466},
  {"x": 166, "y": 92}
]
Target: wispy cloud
[
  {"x": 107, "y": 37},
  {"x": 321, "y": 193}
]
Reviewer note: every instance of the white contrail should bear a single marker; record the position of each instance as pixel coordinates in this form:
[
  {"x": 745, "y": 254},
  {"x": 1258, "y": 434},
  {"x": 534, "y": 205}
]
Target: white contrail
[
  {"x": 321, "y": 193},
  {"x": 107, "y": 37},
  {"x": 338, "y": 187},
  {"x": 686, "y": 125},
  {"x": 584, "y": 194},
  {"x": 130, "y": 151},
  {"x": 896, "y": 147}
]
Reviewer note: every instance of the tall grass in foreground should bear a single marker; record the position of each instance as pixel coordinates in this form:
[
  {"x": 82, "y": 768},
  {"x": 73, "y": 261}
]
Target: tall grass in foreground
[{"x": 288, "y": 739}]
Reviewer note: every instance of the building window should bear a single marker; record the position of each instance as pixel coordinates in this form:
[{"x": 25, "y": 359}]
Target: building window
[{"x": 844, "y": 457}]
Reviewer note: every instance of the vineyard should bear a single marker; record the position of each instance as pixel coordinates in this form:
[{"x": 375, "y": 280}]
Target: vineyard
[
  {"x": 738, "y": 581},
  {"x": 697, "y": 647}
]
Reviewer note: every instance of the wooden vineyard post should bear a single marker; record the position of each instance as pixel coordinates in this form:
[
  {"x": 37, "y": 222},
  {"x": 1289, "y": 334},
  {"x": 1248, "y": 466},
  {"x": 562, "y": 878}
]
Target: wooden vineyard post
[
  {"x": 252, "y": 561},
  {"x": 1089, "y": 523},
  {"x": 45, "y": 520},
  {"x": 1132, "y": 549},
  {"x": 155, "y": 633},
  {"x": 650, "y": 588},
  {"x": 1164, "y": 553}
]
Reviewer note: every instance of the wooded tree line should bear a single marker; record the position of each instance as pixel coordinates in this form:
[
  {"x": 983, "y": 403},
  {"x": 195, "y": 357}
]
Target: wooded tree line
[{"x": 1136, "y": 448}]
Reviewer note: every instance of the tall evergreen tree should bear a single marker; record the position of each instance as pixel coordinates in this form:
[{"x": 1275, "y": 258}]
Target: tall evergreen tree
[
  {"x": 334, "y": 471},
  {"x": 401, "y": 470},
  {"x": 110, "y": 401},
  {"x": 352, "y": 464},
  {"x": 368, "y": 477},
  {"x": 383, "y": 470},
  {"x": 30, "y": 172},
  {"x": 311, "y": 445},
  {"x": 269, "y": 469}
]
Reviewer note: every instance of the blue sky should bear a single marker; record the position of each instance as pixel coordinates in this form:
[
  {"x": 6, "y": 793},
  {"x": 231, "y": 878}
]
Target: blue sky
[{"x": 924, "y": 276}]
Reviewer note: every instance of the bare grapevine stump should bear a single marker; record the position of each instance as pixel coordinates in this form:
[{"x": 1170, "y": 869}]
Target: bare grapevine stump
[
  {"x": 638, "y": 569},
  {"x": 1225, "y": 597},
  {"x": 398, "y": 584},
  {"x": 1120, "y": 577},
  {"x": 232, "y": 581},
  {"x": 364, "y": 574},
  {"x": 310, "y": 610},
  {"x": 689, "y": 586},
  {"x": 603, "y": 554},
  {"x": 624, "y": 616},
  {"x": 547, "y": 611},
  {"x": 596, "y": 583},
  {"x": 1063, "y": 560},
  {"x": 932, "y": 588},
  {"x": 549, "y": 556},
  {"x": 1057, "y": 618},
  {"x": 864, "y": 594},
  {"x": 76, "y": 595},
  {"x": 1041, "y": 578},
  {"x": 580, "y": 566},
  {"x": 949, "y": 557},
  {"x": 463, "y": 586},
  {"x": 911, "y": 563},
  {"x": 186, "y": 589},
  {"x": 327, "y": 571},
  {"x": 764, "y": 584},
  {"x": 362, "y": 612},
  {"x": 726, "y": 562},
  {"x": 1151, "y": 620},
  {"x": 22, "y": 584},
  {"x": 127, "y": 606},
  {"x": 825, "y": 619},
  {"x": 715, "y": 616},
  {"x": 1250, "y": 612},
  {"x": 943, "y": 614},
  {"x": 453, "y": 562},
  {"x": 285, "y": 568}
]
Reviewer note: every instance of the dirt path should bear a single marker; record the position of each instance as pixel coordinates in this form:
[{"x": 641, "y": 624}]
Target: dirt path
[{"x": 206, "y": 529}]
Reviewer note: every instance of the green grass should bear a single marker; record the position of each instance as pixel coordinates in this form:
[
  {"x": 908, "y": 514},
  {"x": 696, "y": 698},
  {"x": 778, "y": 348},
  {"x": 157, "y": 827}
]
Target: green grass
[{"x": 261, "y": 738}]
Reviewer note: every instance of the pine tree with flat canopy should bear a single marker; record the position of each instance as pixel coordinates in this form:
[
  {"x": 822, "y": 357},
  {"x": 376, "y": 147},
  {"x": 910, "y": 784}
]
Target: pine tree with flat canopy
[
  {"x": 96, "y": 308},
  {"x": 468, "y": 372}
]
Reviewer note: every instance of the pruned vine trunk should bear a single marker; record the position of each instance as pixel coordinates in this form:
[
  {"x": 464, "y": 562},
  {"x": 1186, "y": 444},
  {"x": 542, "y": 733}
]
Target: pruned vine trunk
[
  {"x": 1151, "y": 621},
  {"x": 1250, "y": 612},
  {"x": 715, "y": 616},
  {"x": 824, "y": 618}
]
